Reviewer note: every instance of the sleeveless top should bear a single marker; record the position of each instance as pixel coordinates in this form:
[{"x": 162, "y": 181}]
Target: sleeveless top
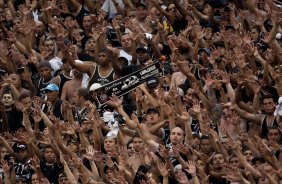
[
  {"x": 41, "y": 86},
  {"x": 264, "y": 126},
  {"x": 64, "y": 79},
  {"x": 96, "y": 77}
]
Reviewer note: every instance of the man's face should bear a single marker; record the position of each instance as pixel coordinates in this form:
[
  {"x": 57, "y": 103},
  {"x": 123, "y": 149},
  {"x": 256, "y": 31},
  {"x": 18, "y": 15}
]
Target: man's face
[
  {"x": 206, "y": 146},
  {"x": 16, "y": 81},
  {"x": 90, "y": 45},
  {"x": 63, "y": 180},
  {"x": 16, "y": 24},
  {"x": 172, "y": 10},
  {"x": 153, "y": 117},
  {"x": 138, "y": 144},
  {"x": 176, "y": 135},
  {"x": 40, "y": 28},
  {"x": 103, "y": 59},
  {"x": 4, "y": 152},
  {"x": 52, "y": 96},
  {"x": 7, "y": 100},
  {"x": 109, "y": 176},
  {"x": 49, "y": 155},
  {"x": 142, "y": 56},
  {"x": 141, "y": 12},
  {"x": 130, "y": 150},
  {"x": 87, "y": 23},
  {"x": 119, "y": 19},
  {"x": 218, "y": 161},
  {"x": 203, "y": 55},
  {"x": 21, "y": 154},
  {"x": 274, "y": 135},
  {"x": 26, "y": 102},
  {"x": 234, "y": 162},
  {"x": 126, "y": 42},
  {"x": 225, "y": 143},
  {"x": 268, "y": 105},
  {"x": 174, "y": 67},
  {"x": 76, "y": 99},
  {"x": 199, "y": 4},
  {"x": 248, "y": 155},
  {"x": 254, "y": 34},
  {"x": 109, "y": 144},
  {"x": 34, "y": 179},
  {"x": 45, "y": 73},
  {"x": 49, "y": 46}
]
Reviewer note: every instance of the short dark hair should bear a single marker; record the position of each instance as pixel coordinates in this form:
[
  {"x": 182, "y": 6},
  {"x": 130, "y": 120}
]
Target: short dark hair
[
  {"x": 83, "y": 92},
  {"x": 23, "y": 95},
  {"x": 267, "y": 97}
]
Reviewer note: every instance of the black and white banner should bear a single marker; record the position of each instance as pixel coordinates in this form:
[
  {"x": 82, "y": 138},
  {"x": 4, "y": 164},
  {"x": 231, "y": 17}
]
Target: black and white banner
[{"x": 127, "y": 83}]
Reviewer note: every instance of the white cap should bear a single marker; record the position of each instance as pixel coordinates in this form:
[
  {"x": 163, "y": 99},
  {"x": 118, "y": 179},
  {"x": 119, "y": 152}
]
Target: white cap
[{"x": 95, "y": 86}]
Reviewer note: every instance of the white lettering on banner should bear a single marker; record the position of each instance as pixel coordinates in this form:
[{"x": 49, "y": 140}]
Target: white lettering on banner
[
  {"x": 147, "y": 70},
  {"x": 150, "y": 74},
  {"x": 113, "y": 85}
]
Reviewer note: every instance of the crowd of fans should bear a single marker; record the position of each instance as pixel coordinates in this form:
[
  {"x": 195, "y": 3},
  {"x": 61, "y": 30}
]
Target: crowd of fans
[{"x": 214, "y": 116}]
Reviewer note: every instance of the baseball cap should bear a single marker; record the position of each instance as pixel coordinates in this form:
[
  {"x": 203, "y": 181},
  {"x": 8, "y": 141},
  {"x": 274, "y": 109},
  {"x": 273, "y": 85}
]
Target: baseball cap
[
  {"x": 142, "y": 48},
  {"x": 51, "y": 87},
  {"x": 152, "y": 82},
  {"x": 95, "y": 86},
  {"x": 18, "y": 146},
  {"x": 205, "y": 50}
]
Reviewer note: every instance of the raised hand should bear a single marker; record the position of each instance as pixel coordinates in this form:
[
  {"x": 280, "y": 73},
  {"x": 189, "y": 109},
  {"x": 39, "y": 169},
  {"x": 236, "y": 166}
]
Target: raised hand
[
  {"x": 191, "y": 168},
  {"x": 209, "y": 81},
  {"x": 114, "y": 101},
  {"x": 196, "y": 107},
  {"x": 90, "y": 152},
  {"x": 163, "y": 169}
]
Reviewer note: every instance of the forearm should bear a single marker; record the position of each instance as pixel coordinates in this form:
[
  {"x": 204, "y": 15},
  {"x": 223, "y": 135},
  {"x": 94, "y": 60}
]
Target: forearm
[
  {"x": 128, "y": 121},
  {"x": 83, "y": 140},
  {"x": 154, "y": 129},
  {"x": 31, "y": 86},
  {"x": 119, "y": 9},
  {"x": 180, "y": 8},
  {"x": 165, "y": 180},
  {"x": 95, "y": 171},
  {"x": 188, "y": 134},
  {"x": 256, "y": 102},
  {"x": 97, "y": 140},
  {"x": 230, "y": 92},
  {"x": 27, "y": 125},
  {"x": 69, "y": 174},
  {"x": 12, "y": 8}
]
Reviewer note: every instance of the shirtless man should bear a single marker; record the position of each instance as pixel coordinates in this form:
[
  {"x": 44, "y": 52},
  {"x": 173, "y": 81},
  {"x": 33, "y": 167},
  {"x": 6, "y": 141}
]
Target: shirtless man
[
  {"x": 177, "y": 77},
  {"x": 71, "y": 86},
  {"x": 266, "y": 120}
]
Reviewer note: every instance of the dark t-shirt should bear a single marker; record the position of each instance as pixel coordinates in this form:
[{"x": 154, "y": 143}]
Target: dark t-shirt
[
  {"x": 128, "y": 69},
  {"x": 214, "y": 180},
  {"x": 179, "y": 24},
  {"x": 51, "y": 172}
]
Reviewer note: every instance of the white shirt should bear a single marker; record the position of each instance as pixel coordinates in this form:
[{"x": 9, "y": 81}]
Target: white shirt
[{"x": 110, "y": 8}]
